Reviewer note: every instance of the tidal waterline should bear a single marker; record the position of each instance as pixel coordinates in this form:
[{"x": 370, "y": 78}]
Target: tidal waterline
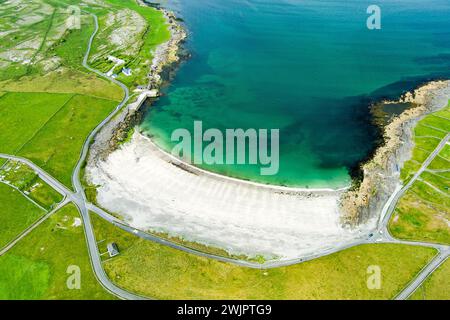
[{"x": 308, "y": 68}]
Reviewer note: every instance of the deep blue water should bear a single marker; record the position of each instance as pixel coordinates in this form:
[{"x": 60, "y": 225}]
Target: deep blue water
[{"x": 309, "y": 68}]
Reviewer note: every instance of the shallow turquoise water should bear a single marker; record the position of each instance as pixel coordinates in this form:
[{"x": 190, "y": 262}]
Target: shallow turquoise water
[{"x": 309, "y": 68}]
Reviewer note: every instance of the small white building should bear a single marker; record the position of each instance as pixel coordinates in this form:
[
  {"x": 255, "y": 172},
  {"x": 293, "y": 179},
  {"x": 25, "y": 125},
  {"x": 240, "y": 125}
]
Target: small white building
[
  {"x": 126, "y": 71},
  {"x": 117, "y": 61}
]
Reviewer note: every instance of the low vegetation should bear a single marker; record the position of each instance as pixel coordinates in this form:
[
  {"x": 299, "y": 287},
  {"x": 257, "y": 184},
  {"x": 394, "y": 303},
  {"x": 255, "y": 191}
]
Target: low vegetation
[
  {"x": 165, "y": 273},
  {"x": 423, "y": 212},
  {"x": 436, "y": 286},
  {"x": 48, "y": 100},
  {"x": 129, "y": 32},
  {"x": 56, "y": 147},
  {"x": 17, "y": 213},
  {"x": 65, "y": 80},
  {"x": 50, "y": 129},
  {"x": 27, "y": 181},
  {"x": 427, "y": 134},
  {"x": 51, "y": 102},
  {"x": 25, "y": 114},
  {"x": 41, "y": 260},
  {"x": 209, "y": 249}
]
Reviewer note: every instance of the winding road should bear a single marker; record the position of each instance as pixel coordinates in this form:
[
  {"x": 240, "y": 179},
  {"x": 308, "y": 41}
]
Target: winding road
[
  {"x": 399, "y": 193},
  {"x": 79, "y": 199},
  {"x": 443, "y": 250}
]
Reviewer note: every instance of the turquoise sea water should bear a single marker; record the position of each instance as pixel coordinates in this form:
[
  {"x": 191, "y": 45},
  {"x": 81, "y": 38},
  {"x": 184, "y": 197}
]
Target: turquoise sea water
[{"x": 309, "y": 68}]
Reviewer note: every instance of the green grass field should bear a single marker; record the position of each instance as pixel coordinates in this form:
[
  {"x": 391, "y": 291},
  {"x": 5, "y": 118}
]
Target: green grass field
[
  {"x": 424, "y": 130},
  {"x": 164, "y": 273},
  {"x": 56, "y": 147},
  {"x": 436, "y": 286},
  {"x": 427, "y": 134},
  {"x": 27, "y": 181},
  {"x": 154, "y": 33},
  {"x": 16, "y": 214},
  {"x": 417, "y": 219},
  {"x": 50, "y": 104},
  {"x": 423, "y": 212},
  {"x": 40, "y": 262},
  {"x": 24, "y": 114},
  {"x": 69, "y": 81},
  {"x": 441, "y": 163},
  {"x": 50, "y": 129}
]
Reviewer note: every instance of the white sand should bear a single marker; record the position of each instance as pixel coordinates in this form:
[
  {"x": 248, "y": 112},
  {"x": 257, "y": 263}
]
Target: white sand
[{"x": 144, "y": 185}]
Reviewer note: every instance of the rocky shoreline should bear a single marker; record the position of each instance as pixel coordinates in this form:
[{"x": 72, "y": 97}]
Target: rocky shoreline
[
  {"x": 166, "y": 57},
  {"x": 153, "y": 191},
  {"x": 381, "y": 174}
]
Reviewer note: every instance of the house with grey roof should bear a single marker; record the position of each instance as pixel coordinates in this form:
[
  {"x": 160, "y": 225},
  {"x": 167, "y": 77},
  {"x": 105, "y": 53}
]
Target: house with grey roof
[{"x": 113, "y": 249}]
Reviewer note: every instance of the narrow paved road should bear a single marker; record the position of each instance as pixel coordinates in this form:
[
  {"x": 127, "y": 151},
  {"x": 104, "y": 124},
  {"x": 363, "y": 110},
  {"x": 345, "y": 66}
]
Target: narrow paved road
[
  {"x": 84, "y": 206},
  {"x": 76, "y": 174},
  {"x": 32, "y": 227},
  {"x": 400, "y": 193},
  {"x": 443, "y": 250},
  {"x": 47, "y": 178},
  {"x": 79, "y": 199},
  {"x": 424, "y": 274},
  {"x": 254, "y": 265}
]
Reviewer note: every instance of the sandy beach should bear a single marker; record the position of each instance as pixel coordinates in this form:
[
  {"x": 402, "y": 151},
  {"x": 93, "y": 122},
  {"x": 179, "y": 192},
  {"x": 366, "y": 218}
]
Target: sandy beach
[{"x": 154, "y": 191}]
